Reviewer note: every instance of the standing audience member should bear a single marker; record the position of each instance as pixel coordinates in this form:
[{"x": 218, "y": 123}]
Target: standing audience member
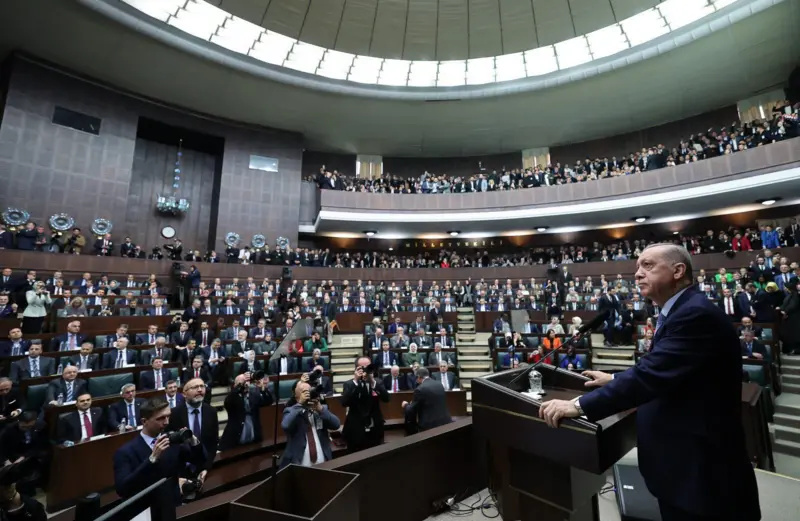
[
  {"x": 363, "y": 427},
  {"x": 306, "y": 423}
]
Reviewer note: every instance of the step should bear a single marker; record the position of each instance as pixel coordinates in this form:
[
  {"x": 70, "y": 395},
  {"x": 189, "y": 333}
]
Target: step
[
  {"x": 472, "y": 350},
  {"x": 472, "y": 374},
  {"x": 482, "y": 367},
  {"x": 222, "y": 416},
  {"x": 785, "y": 408},
  {"x": 464, "y": 317},
  {"x": 790, "y": 361},
  {"x": 787, "y": 433},
  {"x": 613, "y": 354},
  {"x": 479, "y": 358},
  {"x": 786, "y": 420},
  {"x": 790, "y": 388},
  {"x": 606, "y": 363},
  {"x": 347, "y": 351},
  {"x": 791, "y": 379},
  {"x": 341, "y": 378},
  {"x": 466, "y": 328},
  {"x": 465, "y": 383},
  {"x": 787, "y": 447},
  {"x": 789, "y": 369},
  {"x": 466, "y": 310},
  {"x": 469, "y": 396}
]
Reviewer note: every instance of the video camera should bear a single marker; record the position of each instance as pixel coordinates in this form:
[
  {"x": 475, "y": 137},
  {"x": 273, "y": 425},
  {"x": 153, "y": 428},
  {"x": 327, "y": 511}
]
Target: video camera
[
  {"x": 179, "y": 437},
  {"x": 316, "y": 391}
]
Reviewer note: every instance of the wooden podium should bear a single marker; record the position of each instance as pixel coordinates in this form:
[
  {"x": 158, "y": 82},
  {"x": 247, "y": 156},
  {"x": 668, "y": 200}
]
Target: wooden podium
[{"x": 536, "y": 472}]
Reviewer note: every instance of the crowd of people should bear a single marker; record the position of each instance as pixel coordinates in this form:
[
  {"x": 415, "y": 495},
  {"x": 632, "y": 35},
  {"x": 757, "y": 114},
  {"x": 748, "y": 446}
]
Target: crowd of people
[{"x": 782, "y": 124}]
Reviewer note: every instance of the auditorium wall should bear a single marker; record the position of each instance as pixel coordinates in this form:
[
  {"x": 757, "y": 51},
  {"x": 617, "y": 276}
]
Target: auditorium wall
[
  {"x": 668, "y": 134},
  {"x": 47, "y": 168}
]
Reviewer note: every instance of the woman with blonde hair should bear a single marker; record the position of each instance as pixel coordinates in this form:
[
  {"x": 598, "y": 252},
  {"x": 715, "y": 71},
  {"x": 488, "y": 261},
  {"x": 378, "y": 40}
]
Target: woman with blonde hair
[
  {"x": 38, "y": 299},
  {"x": 76, "y": 308}
]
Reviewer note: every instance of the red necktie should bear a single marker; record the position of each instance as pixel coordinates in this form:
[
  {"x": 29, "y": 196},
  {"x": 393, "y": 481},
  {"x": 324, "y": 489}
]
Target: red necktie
[
  {"x": 728, "y": 306},
  {"x": 197, "y": 373},
  {"x": 312, "y": 447},
  {"x": 394, "y": 386},
  {"x": 87, "y": 424}
]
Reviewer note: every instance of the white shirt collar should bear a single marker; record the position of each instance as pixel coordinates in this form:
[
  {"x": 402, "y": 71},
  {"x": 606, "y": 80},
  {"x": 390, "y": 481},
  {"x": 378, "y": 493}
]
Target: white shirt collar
[
  {"x": 147, "y": 439},
  {"x": 671, "y": 302}
]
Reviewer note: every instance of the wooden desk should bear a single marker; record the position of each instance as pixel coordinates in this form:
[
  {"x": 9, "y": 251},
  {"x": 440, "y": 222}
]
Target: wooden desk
[{"x": 756, "y": 431}]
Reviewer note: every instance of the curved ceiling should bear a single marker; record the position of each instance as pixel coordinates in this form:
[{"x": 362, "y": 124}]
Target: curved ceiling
[{"x": 433, "y": 29}]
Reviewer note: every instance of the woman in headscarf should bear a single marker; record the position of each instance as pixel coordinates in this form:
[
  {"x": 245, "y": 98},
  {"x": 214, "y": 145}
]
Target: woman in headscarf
[{"x": 768, "y": 303}]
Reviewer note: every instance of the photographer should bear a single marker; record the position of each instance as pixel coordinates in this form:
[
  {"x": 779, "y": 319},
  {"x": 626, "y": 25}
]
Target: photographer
[
  {"x": 249, "y": 393},
  {"x": 13, "y": 505},
  {"x": 363, "y": 427},
  {"x": 35, "y": 312},
  {"x": 154, "y": 454},
  {"x": 75, "y": 242},
  {"x": 27, "y": 439},
  {"x": 306, "y": 424}
]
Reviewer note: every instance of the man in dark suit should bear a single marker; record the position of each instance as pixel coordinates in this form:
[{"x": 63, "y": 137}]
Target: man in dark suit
[
  {"x": 119, "y": 356},
  {"x": 150, "y": 337},
  {"x": 429, "y": 406},
  {"x": 394, "y": 381},
  {"x": 610, "y": 304},
  {"x": 298, "y": 419},
  {"x": 363, "y": 427},
  {"x": 692, "y": 451},
  {"x": 158, "y": 308},
  {"x": 282, "y": 365},
  {"x": 122, "y": 332},
  {"x": 156, "y": 378},
  {"x": 730, "y": 306},
  {"x": 69, "y": 341},
  {"x": 126, "y": 412},
  {"x": 69, "y": 387},
  {"x": 171, "y": 394},
  {"x": 11, "y": 402},
  {"x": 148, "y": 457},
  {"x": 751, "y": 347},
  {"x": 193, "y": 414},
  {"x": 27, "y": 438},
  {"x": 385, "y": 358},
  {"x": 81, "y": 424},
  {"x": 241, "y": 415},
  {"x": 15, "y": 345},
  {"x": 159, "y": 349},
  {"x": 33, "y": 365},
  {"x": 196, "y": 371},
  {"x": 86, "y": 360},
  {"x": 182, "y": 336},
  {"x": 447, "y": 379}
]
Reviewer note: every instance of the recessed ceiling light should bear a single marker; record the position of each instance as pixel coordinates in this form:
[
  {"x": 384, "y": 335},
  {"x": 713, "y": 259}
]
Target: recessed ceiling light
[
  {"x": 370, "y": 233},
  {"x": 769, "y": 202},
  {"x": 541, "y": 229},
  {"x": 641, "y": 219},
  {"x": 675, "y": 233},
  {"x": 391, "y": 249},
  {"x": 454, "y": 233}
]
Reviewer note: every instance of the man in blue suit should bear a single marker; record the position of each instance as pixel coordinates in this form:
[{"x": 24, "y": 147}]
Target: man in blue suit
[
  {"x": 692, "y": 451},
  {"x": 148, "y": 457},
  {"x": 304, "y": 416}
]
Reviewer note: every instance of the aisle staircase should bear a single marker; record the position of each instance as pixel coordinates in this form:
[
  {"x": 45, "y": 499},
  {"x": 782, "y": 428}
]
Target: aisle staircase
[
  {"x": 786, "y": 426},
  {"x": 345, "y": 349},
  {"x": 617, "y": 358},
  {"x": 474, "y": 358}
]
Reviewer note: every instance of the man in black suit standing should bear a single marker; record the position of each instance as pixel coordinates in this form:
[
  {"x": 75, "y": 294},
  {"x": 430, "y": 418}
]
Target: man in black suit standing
[
  {"x": 610, "y": 304},
  {"x": 195, "y": 415},
  {"x": 429, "y": 406},
  {"x": 68, "y": 387},
  {"x": 242, "y": 405},
  {"x": 81, "y": 424},
  {"x": 363, "y": 427},
  {"x": 687, "y": 391}
]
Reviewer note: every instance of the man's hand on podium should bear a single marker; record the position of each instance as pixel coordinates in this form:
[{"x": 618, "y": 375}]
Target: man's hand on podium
[
  {"x": 598, "y": 378},
  {"x": 553, "y": 411}
]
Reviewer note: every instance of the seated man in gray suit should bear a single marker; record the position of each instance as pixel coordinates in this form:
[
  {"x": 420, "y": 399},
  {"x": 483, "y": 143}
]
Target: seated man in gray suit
[
  {"x": 445, "y": 377},
  {"x": 297, "y": 419},
  {"x": 68, "y": 387},
  {"x": 86, "y": 361},
  {"x": 32, "y": 366}
]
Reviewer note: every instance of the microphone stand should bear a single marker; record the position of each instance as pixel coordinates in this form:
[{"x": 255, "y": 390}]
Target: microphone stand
[{"x": 274, "y": 471}]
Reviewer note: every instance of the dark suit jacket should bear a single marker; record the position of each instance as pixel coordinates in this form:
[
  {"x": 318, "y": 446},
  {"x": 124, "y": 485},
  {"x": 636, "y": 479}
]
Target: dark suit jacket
[
  {"x": 377, "y": 359},
  {"x": 13, "y": 446},
  {"x": 737, "y": 311},
  {"x": 294, "y": 424},
  {"x": 758, "y": 347},
  {"x": 209, "y": 428},
  {"x": 402, "y": 382},
  {"x": 69, "y": 425},
  {"x": 181, "y": 339},
  {"x": 147, "y": 379},
  {"x": 234, "y": 405},
  {"x": 258, "y": 365},
  {"x": 275, "y": 365},
  {"x": 133, "y": 472},
  {"x": 188, "y": 373},
  {"x": 59, "y": 386},
  {"x": 110, "y": 358},
  {"x": 5, "y": 347},
  {"x": 55, "y": 343},
  {"x": 21, "y": 369},
  {"x": 363, "y": 406},
  {"x": 688, "y": 392},
  {"x": 119, "y": 410},
  {"x": 429, "y": 406}
]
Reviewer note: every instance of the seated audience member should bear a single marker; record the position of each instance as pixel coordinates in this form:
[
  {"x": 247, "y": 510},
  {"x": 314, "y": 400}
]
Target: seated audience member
[
  {"x": 445, "y": 377},
  {"x": 158, "y": 309},
  {"x": 394, "y": 381},
  {"x": 171, "y": 394},
  {"x": 315, "y": 342},
  {"x": 571, "y": 361},
  {"x": 181, "y": 337},
  {"x": 507, "y": 359},
  {"x": 443, "y": 338},
  {"x": 32, "y": 366},
  {"x": 11, "y": 403},
  {"x": 119, "y": 356},
  {"x": 315, "y": 360},
  {"x": 126, "y": 413},
  {"x": 81, "y": 424},
  {"x": 185, "y": 355},
  {"x": 68, "y": 387},
  {"x": 399, "y": 340},
  {"x": 376, "y": 340},
  {"x": 422, "y": 340},
  {"x": 437, "y": 356},
  {"x": 268, "y": 345},
  {"x": 131, "y": 309},
  {"x": 752, "y": 348},
  {"x": 413, "y": 356},
  {"x": 27, "y": 438},
  {"x": 747, "y": 323},
  {"x": 538, "y": 355},
  {"x": 324, "y": 380},
  {"x": 159, "y": 349},
  {"x": 197, "y": 371},
  {"x": 250, "y": 365},
  {"x": 551, "y": 341},
  {"x": 529, "y": 327},
  {"x": 156, "y": 378},
  {"x": 215, "y": 355},
  {"x": 306, "y": 424},
  {"x": 150, "y": 337},
  {"x": 122, "y": 332},
  {"x": 75, "y": 308},
  {"x": 15, "y": 345},
  {"x": 242, "y": 405},
  {"x": 385, "y": 358},
  {"x": 7, "y": 309},
  {"x": 645, "y": 344},
  {"x": 428, "y": 409},
  {"x": 282, "y": 364},
  {"x": 260, "y": 332},
  {"x": 69, "y": 341},
  {"x": 555, "y": 326},
  {"x": 199, "y": 417},
  {"x": 411, "y": 377}
]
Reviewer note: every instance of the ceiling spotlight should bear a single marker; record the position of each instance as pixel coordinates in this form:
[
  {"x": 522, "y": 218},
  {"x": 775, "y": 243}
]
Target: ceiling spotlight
[
  {"x": 370, "y": 233},
  {"x": 391, "y": 249},
  {"x": 676, "y": 233},
  {"x": 454, "y": 233},
  {"x": 641, "y": 219},
  {"x": 769, "y": 202},
  {"x": 541, "y": 229}
]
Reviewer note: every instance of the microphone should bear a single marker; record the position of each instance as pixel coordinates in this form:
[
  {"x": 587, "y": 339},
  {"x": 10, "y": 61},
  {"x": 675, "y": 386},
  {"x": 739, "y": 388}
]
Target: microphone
[{"x": 582, "y": 331}]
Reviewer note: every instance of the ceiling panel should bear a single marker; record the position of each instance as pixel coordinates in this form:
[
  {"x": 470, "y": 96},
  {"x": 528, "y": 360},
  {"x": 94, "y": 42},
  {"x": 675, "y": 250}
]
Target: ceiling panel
[
  {"x": 627, "y": 8},
  {"x": 453, "y": 35},
  {"x": 286, "y": 17},
  {"x": 421, "y": 30},
  {"x": 553, "y": 21},
  {"x": 390, "y": 29},
  {"x": 322, "y": 23},
  {"x": 484, "y": 28},
  {"x": 355, "y": 33},
  {"x": 591, "y": 15},
  {"x": 519, "y": 31},
  {"x": 250, "y": 10}
]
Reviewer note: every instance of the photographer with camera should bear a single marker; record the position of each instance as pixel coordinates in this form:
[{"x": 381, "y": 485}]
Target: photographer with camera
[
  {"x": 306, "y": 423},
  {"x": 14, "y": 505},
  {"x": 154, "y": 454},
  {"x": 363, "y": 427},
  {"x": 248, "y": 395},
  {"x": 200, "y": 417}
]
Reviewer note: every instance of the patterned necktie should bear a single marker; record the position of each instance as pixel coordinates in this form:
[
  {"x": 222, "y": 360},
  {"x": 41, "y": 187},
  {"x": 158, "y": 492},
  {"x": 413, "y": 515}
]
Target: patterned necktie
[
  {"x": 131, "y": 416},
  {"x": 659, "y": 321},
  {"x": 35, "y": 367},
  {"x": 158, "y": 379},
  {"x": 70, "y": 392}
]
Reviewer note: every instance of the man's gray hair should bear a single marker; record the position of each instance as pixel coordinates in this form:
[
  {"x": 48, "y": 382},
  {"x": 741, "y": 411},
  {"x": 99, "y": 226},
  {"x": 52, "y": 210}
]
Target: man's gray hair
[
  {"x": 677, "y": 255},
  {"x": 126, "y": 387},
  {"x": 4, "y": 379}
]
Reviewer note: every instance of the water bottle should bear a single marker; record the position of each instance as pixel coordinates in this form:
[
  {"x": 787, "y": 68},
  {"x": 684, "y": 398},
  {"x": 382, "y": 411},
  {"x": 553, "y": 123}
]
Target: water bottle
[
  {"x": 122, "y": 425},
  {"x": 60, "y": 398},
  {"x": 178, "y": 381},
  {"x": 60, "y": 369}
]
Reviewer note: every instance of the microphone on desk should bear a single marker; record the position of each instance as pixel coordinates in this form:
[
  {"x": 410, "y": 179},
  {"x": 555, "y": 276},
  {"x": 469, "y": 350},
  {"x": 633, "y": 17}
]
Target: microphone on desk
[{"x": 585, "y": 329}]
